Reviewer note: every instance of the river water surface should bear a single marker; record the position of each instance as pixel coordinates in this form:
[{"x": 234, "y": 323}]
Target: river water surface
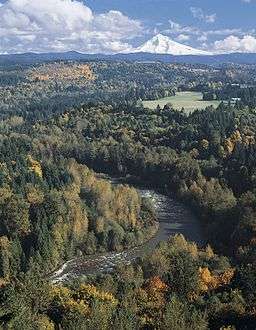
[{"x": 174, "y": 218}]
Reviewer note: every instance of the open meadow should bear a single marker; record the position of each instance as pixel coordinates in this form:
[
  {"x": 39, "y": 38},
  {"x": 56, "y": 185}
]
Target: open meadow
[{"x": 190, "y": 101}]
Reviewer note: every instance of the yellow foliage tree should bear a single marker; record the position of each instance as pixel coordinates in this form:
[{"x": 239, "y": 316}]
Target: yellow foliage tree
[
  {"x": 81, "y": 300},
  {"x": 44, "y": 323},
  {"x": 204, "y": 144},
  {"x": 209, "y": 281},
  {"x": 35, "y": 166},
  {"x": 89, "y": 292},
  {"x": 229, "y": 146},
  {"x": 5, "y": 259},
  {"x": 34, "y": 194},
  {"x": 230, "y": 142},
  {"x": 151, "y": 300}
]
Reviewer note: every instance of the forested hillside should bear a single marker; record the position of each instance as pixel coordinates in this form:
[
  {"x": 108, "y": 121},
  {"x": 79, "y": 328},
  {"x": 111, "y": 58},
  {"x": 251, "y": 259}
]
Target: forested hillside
[
  {"x": 54, "y": 207},
  {"x": 51, "y": 87}
]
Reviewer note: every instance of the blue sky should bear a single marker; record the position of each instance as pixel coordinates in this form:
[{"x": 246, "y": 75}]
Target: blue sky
[
  {"x": 229, "y": 15},
  {"x": 119, "y": 25}
]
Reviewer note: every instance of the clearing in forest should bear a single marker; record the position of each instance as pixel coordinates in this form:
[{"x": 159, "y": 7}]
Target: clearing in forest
[{"x": 190, "y": 101}]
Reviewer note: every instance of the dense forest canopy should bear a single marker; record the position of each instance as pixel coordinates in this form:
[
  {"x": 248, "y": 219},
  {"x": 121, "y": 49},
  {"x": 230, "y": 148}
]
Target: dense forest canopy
[
  {"x": 61, "y": 123},
  {"x": 54, "y": 86}
]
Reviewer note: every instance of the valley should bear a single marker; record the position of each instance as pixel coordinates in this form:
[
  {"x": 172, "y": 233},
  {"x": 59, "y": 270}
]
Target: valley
[
  {"x": 127, "y": 165},
  {"x": 178, "y": 234},
  {"x": 172, "y": 218}
]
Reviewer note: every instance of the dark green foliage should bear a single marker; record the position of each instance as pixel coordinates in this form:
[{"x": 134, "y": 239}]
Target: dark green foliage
[{"x": 52, "y": 207}]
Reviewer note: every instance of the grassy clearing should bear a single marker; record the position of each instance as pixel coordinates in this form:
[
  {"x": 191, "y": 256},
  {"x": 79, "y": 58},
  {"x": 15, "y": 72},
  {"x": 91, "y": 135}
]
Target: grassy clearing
[{"x": 190, "y": 101}]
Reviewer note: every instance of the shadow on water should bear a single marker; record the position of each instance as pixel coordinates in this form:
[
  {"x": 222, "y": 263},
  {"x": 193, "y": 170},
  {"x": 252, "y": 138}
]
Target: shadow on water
[{"x": 174, "y": 218}]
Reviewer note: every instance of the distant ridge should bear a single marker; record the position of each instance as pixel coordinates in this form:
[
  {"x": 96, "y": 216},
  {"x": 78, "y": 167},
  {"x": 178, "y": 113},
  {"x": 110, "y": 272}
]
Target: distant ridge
[{"x": 216, "y": 60}]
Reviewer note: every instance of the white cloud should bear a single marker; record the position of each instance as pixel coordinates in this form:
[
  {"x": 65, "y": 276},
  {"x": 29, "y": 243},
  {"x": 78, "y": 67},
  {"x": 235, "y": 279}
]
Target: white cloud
[
  {"x": 231, "y": 44},
  {"x": 206, "y": 35},
  {"x": 202, "y": 38},
  {"x": 199, "y": 14},
  {"x": 182, "y": 37},
  {"x": 177, "y": 28},
  {"x": 62, "y": 25},
  {"x": 224, "y": 32}
]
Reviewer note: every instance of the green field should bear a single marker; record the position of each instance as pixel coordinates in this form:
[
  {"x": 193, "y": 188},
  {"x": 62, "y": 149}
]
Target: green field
[{"x": 190, "y": 101}]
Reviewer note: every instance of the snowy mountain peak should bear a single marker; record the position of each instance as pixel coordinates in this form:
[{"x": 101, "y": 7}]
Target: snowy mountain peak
[
  {"x": 161, "y": 44},
  {"x": 160, "y": 38}
]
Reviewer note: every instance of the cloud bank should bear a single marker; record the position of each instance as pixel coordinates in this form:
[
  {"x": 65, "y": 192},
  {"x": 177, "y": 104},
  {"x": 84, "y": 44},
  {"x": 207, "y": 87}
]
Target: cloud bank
[
  {"x": 231, "y": 44},
  {"x": 63, "y": 25},
  {"x": 229, "y": 40}
]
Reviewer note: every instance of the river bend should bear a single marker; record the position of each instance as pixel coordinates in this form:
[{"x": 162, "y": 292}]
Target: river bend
[{"x": 174, "y": 218}]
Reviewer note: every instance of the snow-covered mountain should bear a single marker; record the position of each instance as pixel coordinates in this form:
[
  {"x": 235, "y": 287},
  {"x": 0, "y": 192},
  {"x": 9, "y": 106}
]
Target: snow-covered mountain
[{"x": 161, "y": 44}]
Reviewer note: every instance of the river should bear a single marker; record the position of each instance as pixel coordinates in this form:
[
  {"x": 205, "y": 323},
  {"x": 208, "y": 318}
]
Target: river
[{"x": 174, "y": 218}]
